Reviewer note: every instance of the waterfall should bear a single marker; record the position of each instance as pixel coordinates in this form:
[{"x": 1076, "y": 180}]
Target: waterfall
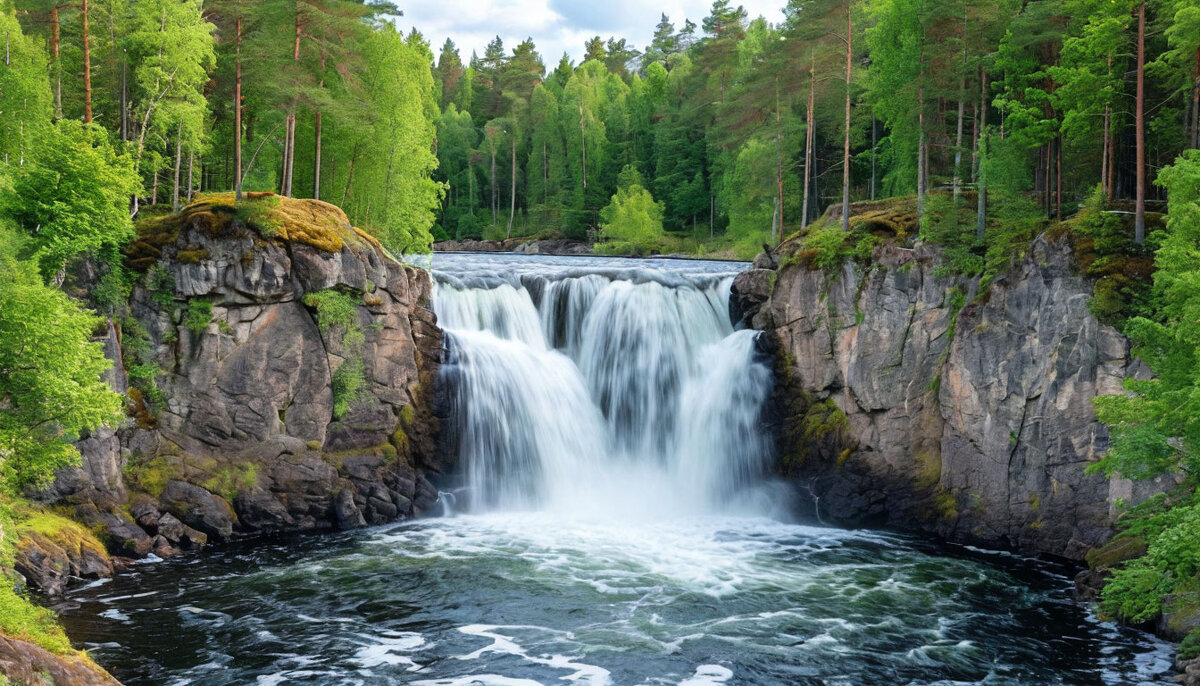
[{"x": 600, "y": 388}]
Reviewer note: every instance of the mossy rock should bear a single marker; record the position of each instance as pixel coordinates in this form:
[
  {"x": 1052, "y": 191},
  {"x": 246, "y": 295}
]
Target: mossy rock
[
  {"x": 1120, "y": 549},
  {"x": 262, "y": 215}
]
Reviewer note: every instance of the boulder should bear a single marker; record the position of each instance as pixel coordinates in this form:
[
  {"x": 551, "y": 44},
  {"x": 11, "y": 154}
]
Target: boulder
[{"x": 198, "y": 508}]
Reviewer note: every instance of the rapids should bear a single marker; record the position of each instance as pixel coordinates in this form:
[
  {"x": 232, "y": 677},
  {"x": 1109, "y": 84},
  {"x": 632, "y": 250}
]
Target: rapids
[{"x": 612, "y": 522}]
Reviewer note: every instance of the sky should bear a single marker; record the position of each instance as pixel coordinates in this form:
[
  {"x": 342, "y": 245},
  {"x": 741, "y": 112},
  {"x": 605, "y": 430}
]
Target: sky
[{"x": 555, "y": 25}]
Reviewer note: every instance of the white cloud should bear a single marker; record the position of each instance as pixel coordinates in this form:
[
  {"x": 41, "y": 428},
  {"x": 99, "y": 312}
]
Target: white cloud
[{"x": 555, "y": 25}]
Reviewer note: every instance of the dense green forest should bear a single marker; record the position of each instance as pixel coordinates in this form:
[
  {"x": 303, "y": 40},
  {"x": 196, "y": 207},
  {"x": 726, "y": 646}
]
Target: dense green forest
[
  {"x": 745, "y": 131},
  {"x": 993, "y": 116}
]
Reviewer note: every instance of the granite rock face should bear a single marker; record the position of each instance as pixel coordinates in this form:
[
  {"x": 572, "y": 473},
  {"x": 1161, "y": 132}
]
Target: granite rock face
[
  {"x": 243, "y": 436},
  {"x": 914, "y": 401}
]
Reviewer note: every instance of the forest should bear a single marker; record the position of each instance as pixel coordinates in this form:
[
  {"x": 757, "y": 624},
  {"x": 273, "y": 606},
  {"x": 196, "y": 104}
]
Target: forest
[{"x": 993, "y": 118}]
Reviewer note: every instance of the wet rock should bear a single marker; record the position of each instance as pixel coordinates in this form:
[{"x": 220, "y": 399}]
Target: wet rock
[
  {"x": 198, "y": 508},
  {"x": 346, "y": 512},
  {"x": 179, "y": 534}
]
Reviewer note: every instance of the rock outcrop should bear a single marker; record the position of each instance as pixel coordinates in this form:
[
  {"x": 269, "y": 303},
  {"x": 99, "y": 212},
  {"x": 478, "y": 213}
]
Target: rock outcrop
[
  {"x": 913, "y": 400},
  {"x": 23, "y": 662},
  {"x": 253, "y": 410}
]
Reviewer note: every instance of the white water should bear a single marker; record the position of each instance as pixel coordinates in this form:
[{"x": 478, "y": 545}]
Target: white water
[{"x": 603, "y": 393}]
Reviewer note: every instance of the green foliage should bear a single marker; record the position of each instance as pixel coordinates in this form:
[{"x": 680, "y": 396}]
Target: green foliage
[
  {"x": 72, "y": 196},
  {"x": 348, "y": 385},
  {"x": 149, "y": 475},
  {"x": 1138, "y": 589},
  {"x": 1156, "y": 425},
  {"x": 161, "y": 285},
  {"x": 198, "y": 315},
  {"x": 632, "y": 221},
  {"x": 339, "y": 311},
  {"x": 50, "y": 377}
]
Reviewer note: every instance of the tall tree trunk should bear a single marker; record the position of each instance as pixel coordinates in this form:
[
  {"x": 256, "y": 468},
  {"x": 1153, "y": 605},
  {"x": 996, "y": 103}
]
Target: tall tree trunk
[
  {"x": 846, "y": 138},
  {"x": 1104, "y": 156},
  {"x": 237, "y": 113},
  {"x": 289, "y": 164},
  {"x": 922, "y": 159},
  {"x": 317, "y": 155},
  {"x": 317, "y": 136},
  {"x": 1058, "y": 180},
  {"x": 55, "y": 48},
  {"x": 777, "y": 229},
  {"x": 512, "y": 194},
  {"x": 808, "y": 140},
  {"x": 1139, "y": 220},
  {"x": 583, "y": 144},
  {"x": 981, "y": 178},
  {"x": 178, "y": 168},
  {"x": 958, "y": 140},
  {"x": 349, "y": 174},
  {"x": 191, "y": 169},
  {"x": 874, "y": 146},
  {"x": 124, "y": 94},
  {"x": 87, "y": 66},
  {"x": 495, "y": 207}
]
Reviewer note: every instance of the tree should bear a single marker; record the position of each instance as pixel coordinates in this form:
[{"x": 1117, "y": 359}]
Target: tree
[
  {"x": 50, "y": 376},
  {"x": 72, "y": 196},
  {"x": 171, "y": 46},
  {"x": 25, "y": 107},
  {"x": 632, "y": 221}
]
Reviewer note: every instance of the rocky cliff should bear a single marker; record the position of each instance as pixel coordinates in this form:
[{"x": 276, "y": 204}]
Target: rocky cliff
[
  {"x": 280, "y": 366},
  {"x": 911, "y": 398}
]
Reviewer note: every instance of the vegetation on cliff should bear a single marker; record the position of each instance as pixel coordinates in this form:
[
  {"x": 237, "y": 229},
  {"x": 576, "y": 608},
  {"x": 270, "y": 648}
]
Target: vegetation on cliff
[{"x": 1156, "y": 425}]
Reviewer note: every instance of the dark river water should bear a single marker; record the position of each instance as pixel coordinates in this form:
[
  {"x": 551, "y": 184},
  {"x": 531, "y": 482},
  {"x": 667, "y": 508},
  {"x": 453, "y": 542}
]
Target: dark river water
[{"x": 523, "y": 599}]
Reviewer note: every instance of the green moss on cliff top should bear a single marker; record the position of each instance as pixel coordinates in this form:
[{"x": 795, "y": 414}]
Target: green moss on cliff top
[{"x": 272, "y": 217}]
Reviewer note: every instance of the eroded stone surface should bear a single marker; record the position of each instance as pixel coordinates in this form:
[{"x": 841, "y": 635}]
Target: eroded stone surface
[{"x": 975, "y": 423}]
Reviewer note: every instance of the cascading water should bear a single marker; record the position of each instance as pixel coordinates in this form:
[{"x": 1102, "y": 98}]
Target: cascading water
[
  {"x": 607, "y": 418},
  {"x": 621, "y": 391}
]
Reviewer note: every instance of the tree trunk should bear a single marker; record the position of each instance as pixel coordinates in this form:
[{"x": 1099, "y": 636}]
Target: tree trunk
[
  {"x": 317, "y": 155},
  {"x": 87, "y": 66},
  {"x": 1058, "y": 180},
  {"x": 778, "y": 234},
  {"x": 1139, "y": 220},
  {"x": 55, "y": 48},
  {"x": 512, "y": 195},
  {"x": 178, "y": 168},
  {"x": 237, "y": 113},
  {"x": 921, "y": 154},
  {"x": 1104, "y": 156},
  {"x": 958, "y": 141},
  {"x": 583, "y": 144},
  {"x": 808, "y": 141},
  {"x": 289, "y": 164},
  {"x": 492, "y": 181},
  {"x": 846, "y": 138},
  {"x": 874, "y": 146},
  {"x": 981, "y": 188},
  {"x": 191, "y": 169},
  {"x": 317, "y": 137}
]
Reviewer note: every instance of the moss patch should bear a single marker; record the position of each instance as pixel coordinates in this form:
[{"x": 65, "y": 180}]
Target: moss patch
[
  {"x": 150, "y": 476},
  {"x": 272, "y": 217}
]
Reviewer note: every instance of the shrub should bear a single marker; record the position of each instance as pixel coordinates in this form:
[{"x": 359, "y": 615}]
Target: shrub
[{"x": 198, "y": 315}]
